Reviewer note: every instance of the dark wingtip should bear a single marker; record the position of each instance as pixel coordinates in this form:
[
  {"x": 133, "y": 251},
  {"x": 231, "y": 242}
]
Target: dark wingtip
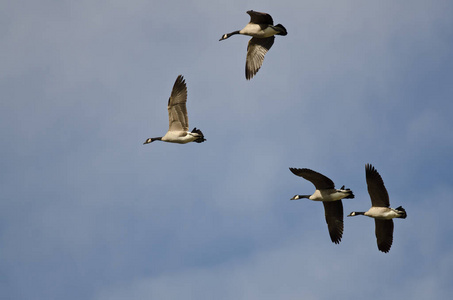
[
  {"x": 336, "y": 241},
  {"x": 248, "y": 75},
  {"x": 294, "y": 170},
  {"x": 180, "y": 78}
]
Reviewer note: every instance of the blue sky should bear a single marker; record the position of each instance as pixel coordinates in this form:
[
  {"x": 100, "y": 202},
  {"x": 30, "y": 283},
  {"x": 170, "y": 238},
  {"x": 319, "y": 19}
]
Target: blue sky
[{"x": 88, "y": 212}]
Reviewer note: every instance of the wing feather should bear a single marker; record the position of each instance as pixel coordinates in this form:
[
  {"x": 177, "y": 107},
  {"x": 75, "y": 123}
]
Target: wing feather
[
  {"x": 334, "y": 218},
  {"x": 260, "y": 18},
  {"x": 320, "y": 181},
  {"x": 256, "y": 50},
  {"x": 384, "y": 234},
  {"x": 376, "y": 188},
  {"x": 177, "y": 111}
]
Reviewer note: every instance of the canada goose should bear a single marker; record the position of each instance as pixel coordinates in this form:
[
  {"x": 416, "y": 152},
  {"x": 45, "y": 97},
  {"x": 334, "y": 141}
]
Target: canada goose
[
  {"x": 380, "y": 209},
  {"x": 177, "y": 115},
  {"x": 261, "y": 28},
  {"x": 330, "y": 197}
]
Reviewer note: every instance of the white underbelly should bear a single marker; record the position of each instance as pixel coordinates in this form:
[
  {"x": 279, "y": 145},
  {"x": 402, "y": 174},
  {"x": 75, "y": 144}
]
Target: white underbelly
[
  {"x": 179, "y": 137},
  {"x": 256, "y": 31},
  {"x": 381, "y": 213},
  {"x": 327, "y": 195}
]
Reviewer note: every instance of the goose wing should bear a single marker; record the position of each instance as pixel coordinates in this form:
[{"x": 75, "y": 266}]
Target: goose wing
[
  {"x": 384, "y": 234},
  {"x": 177, "y": 111},
  {"x": 334, "y": 218},
  {"x": 256, "y": 49},
  {"x": 260, "y": 18},
  {"x": 376, "y": 189},
  {"x": 320, "y": 181}
]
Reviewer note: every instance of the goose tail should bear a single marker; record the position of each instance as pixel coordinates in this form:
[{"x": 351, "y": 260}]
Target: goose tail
[
  {"x": 281, "y": 29},
  {"x": 200, "y": 138},
  {"x": 350, "y": 195},
  {"x": 348, "y": 192},
  {"x": 402, "y": 212}
]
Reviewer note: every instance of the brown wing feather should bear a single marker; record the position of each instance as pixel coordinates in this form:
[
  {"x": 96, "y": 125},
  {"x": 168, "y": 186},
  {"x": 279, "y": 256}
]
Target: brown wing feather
[
  {"x": 260, "y": 18},
  {"x": 177, "y": 111},
  {"x": 320, "y": 181},
  {"x": 384, "y": 234},
  {"x": 256, "y": 50},
  {"x": 334, "y": 218},
  {"x": 376, "y": 189}
]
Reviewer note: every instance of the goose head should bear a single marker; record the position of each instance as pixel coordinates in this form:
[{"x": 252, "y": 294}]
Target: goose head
[
  {"x": 150, "y": 140},
  {"x": 355, "y": 213},
  {"x": 227, "y": 35},
  {"x": 297, "y": 197}
]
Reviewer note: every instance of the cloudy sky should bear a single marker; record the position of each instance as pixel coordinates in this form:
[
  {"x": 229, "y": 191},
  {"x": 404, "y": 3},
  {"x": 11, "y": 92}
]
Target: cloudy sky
[{"x": 88, "y": 212}]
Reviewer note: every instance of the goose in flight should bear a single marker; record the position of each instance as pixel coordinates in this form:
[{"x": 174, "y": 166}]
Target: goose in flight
[
  {"x": 330, "y": 197},
  {"x": 177, "y": 115},
  {"x": 380, "y": 209},
  {"x": 261, "y": 28}
]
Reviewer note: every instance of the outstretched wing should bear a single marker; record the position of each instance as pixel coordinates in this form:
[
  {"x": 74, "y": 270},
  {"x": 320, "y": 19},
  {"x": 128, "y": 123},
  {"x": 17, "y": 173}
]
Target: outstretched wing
[
  {"x": 256, "y": 49},
  {"x": 376, "y": 189},
  {"x": 384, "y": 234},
  {"x": 177, "y": 111},
  {"x": 334, "y": 218},
  {"x": 260, "y": 18},
  {"x": 320, "y": 181}
]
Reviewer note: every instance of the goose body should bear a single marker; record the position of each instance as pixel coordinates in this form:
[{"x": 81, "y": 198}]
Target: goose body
[
  {"x": 380, "y": 209},
  {"x": 178, "y": 119},
  {"x": 330, "y": 197},
  {"x": 262, "y": 30},
  {"x": 383, "y": 213}
]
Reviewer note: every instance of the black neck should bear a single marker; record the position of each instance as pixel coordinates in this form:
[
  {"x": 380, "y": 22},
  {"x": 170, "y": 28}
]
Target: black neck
[
  {"x": 227, "y": 35},
  {"x": 233, "y": 33},
  {"x": 359, "y": 213},
  {"x": 150, "y": 140}
]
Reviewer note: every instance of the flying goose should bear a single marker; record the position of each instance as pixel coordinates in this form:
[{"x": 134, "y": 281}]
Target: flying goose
[
  {"x": 380, "y": 209},
  {"x": 261, "y": 28},
  {"x": 330, "y": 197},
  {"x": 177, "y": 115}
]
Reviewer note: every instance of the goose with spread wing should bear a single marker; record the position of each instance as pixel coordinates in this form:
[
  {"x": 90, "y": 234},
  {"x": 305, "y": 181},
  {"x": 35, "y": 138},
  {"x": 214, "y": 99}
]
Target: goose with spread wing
[
  {"x": 262, "y": 29},
  {"x": 177, "y": 115},
  {"x": 380, "y": 209},
  {"x": 330, "y": 197}
]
